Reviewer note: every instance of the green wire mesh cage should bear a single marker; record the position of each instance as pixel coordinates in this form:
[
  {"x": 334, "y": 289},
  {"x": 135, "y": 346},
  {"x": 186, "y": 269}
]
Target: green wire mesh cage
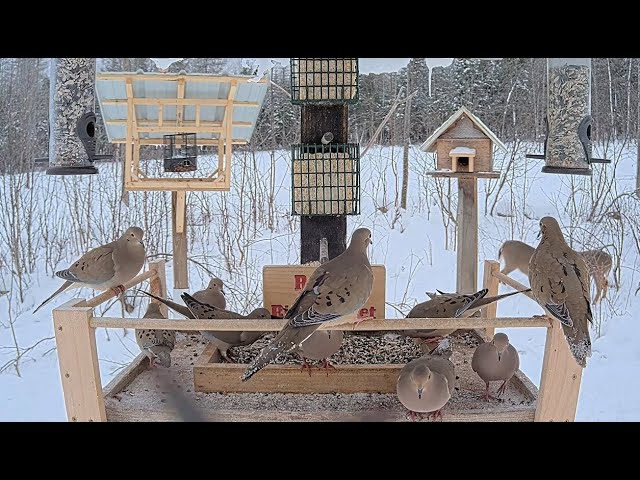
[
  {"x": 180, "y": 152},
  {"x": 325, "y": 179},
  {"x": 324, "y": 80}
]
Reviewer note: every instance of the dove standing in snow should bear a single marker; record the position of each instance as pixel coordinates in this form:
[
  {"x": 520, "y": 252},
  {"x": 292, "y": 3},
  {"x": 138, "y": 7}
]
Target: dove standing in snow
[
  {"x": 495, "y": 360},
  {"x": 450, "y": 305},
  {"x": 105, "y": 267},
  {"x": 559, "y": 280},
  {"x": 336, "y": 288},
  {"x": 426, "y": 384},
  {"x": 156, "y": 344},
  {"x": 212, "y": 295},
  {"x": 223, "y": 340}
]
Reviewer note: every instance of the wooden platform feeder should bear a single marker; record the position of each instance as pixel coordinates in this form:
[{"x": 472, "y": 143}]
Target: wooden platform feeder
[
  {"x": 324, "y": 80},
  {"x": 568, "y": 147},
  {"x": 325, "y": 179},
  {"x": 140, "y": 393}
]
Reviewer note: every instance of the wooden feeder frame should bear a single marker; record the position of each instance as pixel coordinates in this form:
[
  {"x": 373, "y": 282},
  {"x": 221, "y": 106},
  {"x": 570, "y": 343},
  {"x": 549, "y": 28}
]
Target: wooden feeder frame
[
  {"x": 75, "y": 326},
  {"x": 220, "y": 179}
]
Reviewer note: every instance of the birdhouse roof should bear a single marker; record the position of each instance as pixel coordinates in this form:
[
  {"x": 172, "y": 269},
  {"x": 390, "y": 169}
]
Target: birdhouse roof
[
  {"x": 164, "y": 103},
  {"x": 430, "y": 143}
]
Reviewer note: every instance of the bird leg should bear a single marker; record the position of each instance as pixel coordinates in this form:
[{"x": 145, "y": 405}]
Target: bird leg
[
  {"x": 326, "y": 366},
  {"x": 427, "y": 341},
  {"x": 486, "y": 396},
  {"x": 435, "y": 415},
  {"x": 414, "y": 416},
  {"x": 305, "y": 365},
  {"x": 118, "y": 290},
  {"x": 503, "y": 388}
]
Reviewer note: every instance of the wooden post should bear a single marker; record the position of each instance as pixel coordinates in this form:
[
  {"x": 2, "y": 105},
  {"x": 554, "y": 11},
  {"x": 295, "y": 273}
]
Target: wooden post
[
  {"x": 158, "y": 284},
  {"x": 316, "y": 120},
  {"x": 180, "y": 270},
  {"x": 491, "y": 283},
  {"x": 78, "y": 361},
  {"x": 467, "y": 253},
  {"x": 560, "y": 380}
]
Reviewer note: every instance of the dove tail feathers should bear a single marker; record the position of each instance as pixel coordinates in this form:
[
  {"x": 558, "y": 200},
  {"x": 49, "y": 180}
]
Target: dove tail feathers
[
  {"x": 176, "y": 307},
  {"x": 579, "y": 343},
  {"x": 64, "y": 286},
  {"x": 284, "y": 341}
]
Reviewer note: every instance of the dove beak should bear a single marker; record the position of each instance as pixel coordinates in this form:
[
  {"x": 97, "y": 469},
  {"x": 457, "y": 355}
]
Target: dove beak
[
  {"x": 420, "y": 390},
  {"x": 141, "y": 243},
  {"x": 499, "y": 356},
  {"x": 222, "y": 292},
  {"x": 539, "y": 233}
]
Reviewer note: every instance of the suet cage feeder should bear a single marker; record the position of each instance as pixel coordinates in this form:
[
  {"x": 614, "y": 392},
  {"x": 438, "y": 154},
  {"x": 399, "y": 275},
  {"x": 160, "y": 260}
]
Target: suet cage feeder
[
  {"x": 325, "y": 179},
  {"x": 324, "y": 80}
]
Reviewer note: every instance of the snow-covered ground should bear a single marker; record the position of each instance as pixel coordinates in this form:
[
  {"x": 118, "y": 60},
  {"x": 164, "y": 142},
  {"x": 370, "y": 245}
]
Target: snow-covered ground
[{"x": 412, "y": 247}]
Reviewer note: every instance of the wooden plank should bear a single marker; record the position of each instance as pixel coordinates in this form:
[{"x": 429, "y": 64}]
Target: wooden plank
[
  {"x": 160, "y": 102},
  {"x": 167, "y": 77},
  {"x": 180, "y": 270},
  {"x": 158, "y": 284},
  {"x": 180, "y": 213},
  {"x": 283, "y": 284},
  {"x": 108, "y": 294},
  {"x": 178, "y": 185},
  {"x": 228, "y": 126},
  {"x": 450, "y": 174},
  {"x": 467, "y": 249},
  {"x": 267, "y": 325},
  {"x": 126, "y": 376},
  {"x": 198, "y": 114},
  {"x": 160, "y": 141},
  {"x": 143, "y": 126},
  {"x": 507, "y": 280},
  {"x": 136, "y": 160},
  {"x": 180, "y": 109},
  {"x": 160, "y": 114},
  {"x": 491, "y": 283},
  {"x": 560, "y": 379},
  {"x": 78, "y": 360},
  {"x": 224, "y": 377}
]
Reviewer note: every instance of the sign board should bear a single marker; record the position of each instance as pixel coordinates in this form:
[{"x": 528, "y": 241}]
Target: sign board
[{"x": 285, "y": 282}]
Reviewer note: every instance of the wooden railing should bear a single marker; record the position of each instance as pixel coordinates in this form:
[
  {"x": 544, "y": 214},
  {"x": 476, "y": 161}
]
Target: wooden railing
[{"x": 75, "y": 326}]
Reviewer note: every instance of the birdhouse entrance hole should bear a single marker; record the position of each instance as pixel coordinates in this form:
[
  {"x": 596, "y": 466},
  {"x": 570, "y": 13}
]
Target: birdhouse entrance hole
[{"x": 463, "y": 162}]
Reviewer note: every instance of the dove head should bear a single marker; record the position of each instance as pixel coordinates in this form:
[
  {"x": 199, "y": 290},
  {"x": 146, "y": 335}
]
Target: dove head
[
  {"x": 549, "y": 228},
  {"x": 161, "y": 355},
  {"x": 501, "y": 342},
  {"x": 153, "y": 309},
  {"x": 259, "y": 313},
  {"x": 216, "y": 285},
  {"x": 133, "y": 235},
  {"x": 420, "y": 377},
  {"x": 360, "y": 239}
]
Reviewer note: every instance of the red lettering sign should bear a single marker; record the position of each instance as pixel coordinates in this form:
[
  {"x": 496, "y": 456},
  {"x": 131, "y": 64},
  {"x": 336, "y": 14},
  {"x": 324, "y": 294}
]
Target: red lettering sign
[{"x": 299, "y": 281}]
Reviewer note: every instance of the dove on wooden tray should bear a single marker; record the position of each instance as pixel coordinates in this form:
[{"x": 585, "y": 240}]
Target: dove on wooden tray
[
  {"x": 336, "y": 288},
  {"x": 559, "y": 280},
  {"x": 450, "y": 305},
  {"x": 212, "y": 295},
  {"x": 426, "y": 384},
  {"x": 496, "y": 360},
  {"x": 224, "y": 340},
  {"x": 320, "y": 346},
  {"x": 106, "y": 267},
  {"x": 156, "y": 344}
]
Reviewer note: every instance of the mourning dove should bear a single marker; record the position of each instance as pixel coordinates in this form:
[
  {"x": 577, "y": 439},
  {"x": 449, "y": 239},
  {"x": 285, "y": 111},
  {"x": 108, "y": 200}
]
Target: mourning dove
[
  {"x": 223, "y": 340},
  {"x": 450, "y": 305},
  {"x": 320, "y": 346},
  {"x": 426, "y": 384},
  {"x": 157, "y": 344},
  {"x": 336, "y": 288},
  {"x": 105, "y": 267},
  {"x": 212, "y": 295},
  {"x": 495, "y": 360},
  {"x": 559, "y": 280}
]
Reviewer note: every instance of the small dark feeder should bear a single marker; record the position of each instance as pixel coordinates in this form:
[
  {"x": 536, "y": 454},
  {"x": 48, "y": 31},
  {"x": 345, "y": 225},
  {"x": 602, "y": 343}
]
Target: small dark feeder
[
  {"x": 180, "y": 152},
  {"x": 324, "y": 80}
]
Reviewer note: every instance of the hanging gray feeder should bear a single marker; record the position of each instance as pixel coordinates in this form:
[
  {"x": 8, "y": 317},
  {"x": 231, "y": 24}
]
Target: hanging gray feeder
[
  {"x": 568, "y": 147},
  {"x": 72, "y": 142}
]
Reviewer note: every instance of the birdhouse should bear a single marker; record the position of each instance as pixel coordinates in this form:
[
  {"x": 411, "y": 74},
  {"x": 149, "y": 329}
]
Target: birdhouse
[
  {"x": 324, "y": 80},
  {"x": 325, "y": 179},
  {"x": 180, "y": 152},
  {"x": 568, "y": 147},
  {"x": 463, "y": 144}
]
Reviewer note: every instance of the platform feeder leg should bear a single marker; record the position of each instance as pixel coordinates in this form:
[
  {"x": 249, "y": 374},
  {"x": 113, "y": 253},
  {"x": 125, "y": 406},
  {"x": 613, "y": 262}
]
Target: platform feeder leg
[
  {"x": 491, "y": 283},
  {"x": 467, "y": 248},
  {"x": 179, "y": 230}
]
